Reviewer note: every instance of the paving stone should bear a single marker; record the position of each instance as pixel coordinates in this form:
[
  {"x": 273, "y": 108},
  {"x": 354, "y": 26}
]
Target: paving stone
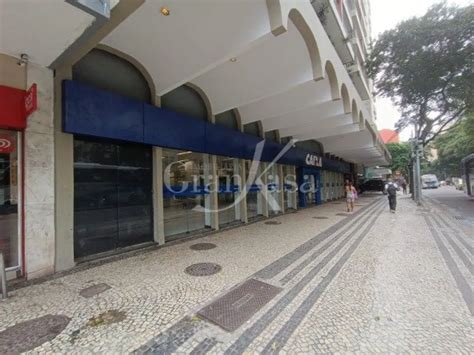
[{"x": 397, "y": 273}]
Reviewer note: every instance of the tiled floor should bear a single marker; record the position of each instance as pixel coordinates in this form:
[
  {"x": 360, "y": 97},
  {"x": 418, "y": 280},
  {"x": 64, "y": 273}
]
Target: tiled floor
[{"x": 370, "y": 282}]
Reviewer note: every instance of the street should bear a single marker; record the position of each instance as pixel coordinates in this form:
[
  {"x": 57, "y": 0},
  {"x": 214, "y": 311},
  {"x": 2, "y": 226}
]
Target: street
[
  {"x": 315, "y": 281},
  {"x": 458, "y": 204}
]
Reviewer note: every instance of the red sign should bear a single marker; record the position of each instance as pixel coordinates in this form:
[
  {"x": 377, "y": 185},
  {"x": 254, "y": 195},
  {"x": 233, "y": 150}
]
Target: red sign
[
  {"x": 16, "y": 105},
  {"x": 7, "y": 144},
  {"x": 31, "y": 101}
]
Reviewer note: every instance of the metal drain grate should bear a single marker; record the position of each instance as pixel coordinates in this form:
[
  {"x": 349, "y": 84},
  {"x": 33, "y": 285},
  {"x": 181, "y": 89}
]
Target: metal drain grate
[
  {"x": 203, "y": 269},
  {"x": 459, "y": 218},
  {"x": 320, "y": 217},
  {"x": 273, "y": 223},
  {"x": 343, "y": 214},
  {"x": 202, "y": 246},
  {"x": 238, "y": 305}
]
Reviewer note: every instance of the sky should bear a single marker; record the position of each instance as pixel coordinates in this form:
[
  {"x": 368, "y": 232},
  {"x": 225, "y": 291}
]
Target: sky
[{"x": 386, "y": 14}]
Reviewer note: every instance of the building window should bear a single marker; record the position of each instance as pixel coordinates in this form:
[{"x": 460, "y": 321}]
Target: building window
[
  {"x": 183, "y": 190},
  {"x": 107, "y": 71},
  {"x": 113, "y": 205},
  {"x": 187, "y": 101},
  {"x": 227, "y": 119},
  {"x": 253, "y": 128},
  {"x": 227, "y": 169}
]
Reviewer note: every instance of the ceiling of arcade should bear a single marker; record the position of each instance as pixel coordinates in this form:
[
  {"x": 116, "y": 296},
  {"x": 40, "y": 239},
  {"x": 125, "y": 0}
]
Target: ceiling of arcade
[{"x": 272, "y": 60}]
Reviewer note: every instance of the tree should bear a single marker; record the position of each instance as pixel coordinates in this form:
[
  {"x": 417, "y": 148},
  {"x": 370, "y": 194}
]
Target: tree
[
  {"x": 401, "y": 156},
  {"x": 452, "y": 146},
  {"x": 425, "y": 66}
]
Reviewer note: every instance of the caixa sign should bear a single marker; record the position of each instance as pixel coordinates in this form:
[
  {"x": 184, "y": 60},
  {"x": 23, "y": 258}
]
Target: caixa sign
[{"x": 314, "y": 160}]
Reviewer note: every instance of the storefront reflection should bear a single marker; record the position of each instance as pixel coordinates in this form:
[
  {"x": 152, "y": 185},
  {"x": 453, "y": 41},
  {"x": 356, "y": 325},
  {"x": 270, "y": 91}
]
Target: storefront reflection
[
  {"x": 9, "y": 242},
  {"x": 183, "y": 191}
]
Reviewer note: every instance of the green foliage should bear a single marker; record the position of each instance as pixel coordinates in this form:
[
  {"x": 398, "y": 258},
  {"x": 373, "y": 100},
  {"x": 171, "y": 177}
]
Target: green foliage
[
  {"x": 401, "y": 155},
  {"x": 425, "y": 66},
  {"x": 452, "y": 146}
]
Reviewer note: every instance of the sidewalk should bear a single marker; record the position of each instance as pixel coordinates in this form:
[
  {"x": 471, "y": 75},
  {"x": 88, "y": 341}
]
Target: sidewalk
[{"x": 370, "y": 282}]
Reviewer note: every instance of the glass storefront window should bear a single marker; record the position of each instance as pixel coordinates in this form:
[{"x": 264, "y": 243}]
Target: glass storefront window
[
  {"x": 274, "y": 187},
  {"x": 228, "y": 189},
  {"x": 289, "y": 188},
  {"x": 113, "y": 205},
  {"x": 254, "y": 196},
  {"x": 183, "y": 190},
  {"x": 9, "y": 240}
]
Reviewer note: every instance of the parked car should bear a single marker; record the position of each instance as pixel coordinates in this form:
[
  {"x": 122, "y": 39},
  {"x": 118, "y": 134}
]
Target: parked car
[
  {"x": 373, "y": 185},
  {"x": 429, "y": 181}
]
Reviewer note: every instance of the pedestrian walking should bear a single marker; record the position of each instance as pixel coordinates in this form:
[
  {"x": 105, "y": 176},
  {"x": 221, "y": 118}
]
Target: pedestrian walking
[
  {"x": 391, "y": 189},
  {"x": 404, "y": 186},
  {"x": 350, "y": 196}
]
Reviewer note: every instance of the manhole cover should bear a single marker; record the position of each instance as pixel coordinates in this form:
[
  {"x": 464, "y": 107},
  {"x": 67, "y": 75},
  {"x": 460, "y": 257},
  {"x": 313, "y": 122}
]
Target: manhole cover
[
  {"x": 320, "y": 217},
  {"x": 203, "y": 269},
  {"x": 30, "y": 334},
  {"x": 342, "y": 214},
  {"x": 94, "y": 290},
  {"x": 272, "y": 223},
  {"x": 202, "y": 246},
  {"x": 238, "y": 305}
]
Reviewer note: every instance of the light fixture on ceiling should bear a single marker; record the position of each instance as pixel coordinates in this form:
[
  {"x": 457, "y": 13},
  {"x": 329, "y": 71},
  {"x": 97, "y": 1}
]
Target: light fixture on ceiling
[
  {"x": 165, "y": 11},
  {"x": 233, "y": 59}
]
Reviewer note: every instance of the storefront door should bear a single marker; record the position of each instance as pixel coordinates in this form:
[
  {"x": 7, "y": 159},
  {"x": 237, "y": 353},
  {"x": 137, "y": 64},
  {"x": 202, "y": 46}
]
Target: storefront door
[
  {"x": 184, "y": 194},
  {"x": 113, "y": 204},
  {"x": 9, "y": 236},
  {"x": 309, "y": 182}
]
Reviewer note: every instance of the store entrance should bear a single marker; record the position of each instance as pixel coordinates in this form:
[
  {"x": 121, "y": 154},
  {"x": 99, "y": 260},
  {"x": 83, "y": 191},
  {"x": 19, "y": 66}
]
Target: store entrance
[
  {"x": 9, "y": 236},
  {"x": 309, "y": 180},
  {"x": 113, "y": 204}
]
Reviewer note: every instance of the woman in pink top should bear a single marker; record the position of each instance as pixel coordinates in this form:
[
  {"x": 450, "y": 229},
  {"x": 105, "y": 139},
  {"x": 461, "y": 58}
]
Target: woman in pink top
[{"x": 350, "y": 196}]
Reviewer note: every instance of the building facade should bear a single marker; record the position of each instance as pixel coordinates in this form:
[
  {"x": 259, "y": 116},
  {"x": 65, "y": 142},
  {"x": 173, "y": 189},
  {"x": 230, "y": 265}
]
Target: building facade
[{"x": 155, "y": 121}]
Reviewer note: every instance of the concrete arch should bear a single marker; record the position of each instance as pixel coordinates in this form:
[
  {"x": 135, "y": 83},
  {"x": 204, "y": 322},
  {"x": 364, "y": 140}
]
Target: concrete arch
[
  {"x": 308, "y": 36},
  {"x": 355, "y": 112},
  {"x": 333, "y": 82},
  {"x": 239, "y": 119},
  {"x": 137, "y": 65},
  {"x": 346, "y": 100},
  {"x": 279, "y": 18},
  {"x": 371, "y": 131}
]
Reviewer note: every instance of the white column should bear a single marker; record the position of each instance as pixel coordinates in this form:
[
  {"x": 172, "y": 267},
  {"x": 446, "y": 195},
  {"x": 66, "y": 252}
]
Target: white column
[{"x": 39, "y": 180}]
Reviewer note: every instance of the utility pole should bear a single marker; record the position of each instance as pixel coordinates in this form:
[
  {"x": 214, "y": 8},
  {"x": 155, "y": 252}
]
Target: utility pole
[{"x": 417, "y": 171}]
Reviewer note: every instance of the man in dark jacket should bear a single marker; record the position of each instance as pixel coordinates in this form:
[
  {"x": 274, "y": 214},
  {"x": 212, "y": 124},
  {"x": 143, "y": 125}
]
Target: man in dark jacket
[{"x": 391, "y": 190}]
